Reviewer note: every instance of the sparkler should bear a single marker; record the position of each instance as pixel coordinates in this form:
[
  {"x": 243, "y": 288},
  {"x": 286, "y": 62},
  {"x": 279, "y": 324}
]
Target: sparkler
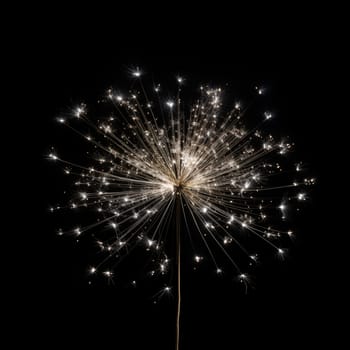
[{"x": 154, "y": 157}]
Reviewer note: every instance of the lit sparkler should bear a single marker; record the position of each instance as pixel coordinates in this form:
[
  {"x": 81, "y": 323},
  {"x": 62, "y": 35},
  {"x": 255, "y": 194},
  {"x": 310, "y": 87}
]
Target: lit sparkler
[{"x": 154, "y": 158}]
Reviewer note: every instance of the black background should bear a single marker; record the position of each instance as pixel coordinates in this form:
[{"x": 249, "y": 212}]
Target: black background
[{"x": 294, "y": 303}]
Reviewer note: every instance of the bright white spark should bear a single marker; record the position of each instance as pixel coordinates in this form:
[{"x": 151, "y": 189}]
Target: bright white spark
[
  {"x": 150, "y": 243},
  {"x": 108, "y": 273},
  {"x": 198, "y": 258},
  {"x": 170, "y": 104},
  {"x": 267, "y": 115},
  {"x": 301, "y": 196},
  {"x": 79, "y": 111},
  {"x": 53, "y": 156},
  {"x": 243, "y": 276},
  {"x": 137, "y": 73}
]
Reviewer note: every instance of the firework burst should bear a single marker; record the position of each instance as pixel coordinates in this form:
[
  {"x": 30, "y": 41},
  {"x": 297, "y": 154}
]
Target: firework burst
[{"x": 152, "y": 157}]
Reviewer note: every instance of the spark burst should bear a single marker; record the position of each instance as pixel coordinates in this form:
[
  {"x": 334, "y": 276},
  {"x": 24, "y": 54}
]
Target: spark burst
[{"x": 149, "y": 153}]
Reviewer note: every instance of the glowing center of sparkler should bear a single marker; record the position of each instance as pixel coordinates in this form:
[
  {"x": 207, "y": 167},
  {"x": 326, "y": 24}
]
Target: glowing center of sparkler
[{"x": 179, "y": 186}]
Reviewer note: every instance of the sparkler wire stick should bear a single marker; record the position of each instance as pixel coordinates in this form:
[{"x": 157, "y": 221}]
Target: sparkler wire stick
[{"x": 178, "y": 248}]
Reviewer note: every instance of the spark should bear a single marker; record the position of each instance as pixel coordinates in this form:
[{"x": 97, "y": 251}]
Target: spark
[
  {"x": 281, "y": 252},
  {"x": 137, "y": 73},
  {"x": 170, "y": 104},
  {"x": 150, "y": 243},
  {"x": 232, "y": 218},
  {"x": 267, "y": 115},
  {"x": 254, "y": 257},
  {"x": 229, "y": 179},
  {"x": 180, "y": 80},
  {"x": 260, "y": 90},
  {"x": 227, "y": 240},
  {"x": 301, "y": 196},
  {"x": 198, "y": 258},
  {"x": 79, "y": 111},
  {"x": 53, "y": 156}
]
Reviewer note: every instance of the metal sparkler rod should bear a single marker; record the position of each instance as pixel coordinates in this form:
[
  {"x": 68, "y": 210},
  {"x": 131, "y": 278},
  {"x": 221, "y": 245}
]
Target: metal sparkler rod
[{"x": 178, "y": 254}]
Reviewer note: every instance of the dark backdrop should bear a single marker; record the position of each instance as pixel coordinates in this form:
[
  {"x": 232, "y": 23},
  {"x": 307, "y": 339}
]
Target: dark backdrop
[{"x": 294, "y": 302}]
